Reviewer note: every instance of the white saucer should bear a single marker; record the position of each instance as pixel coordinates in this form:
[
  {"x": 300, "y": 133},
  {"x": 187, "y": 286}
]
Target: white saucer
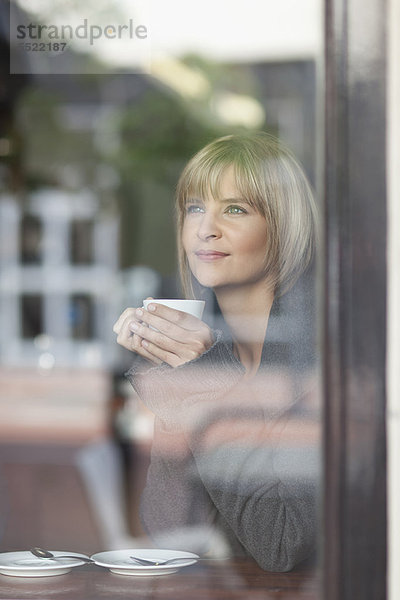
[
  {"x": 118, "y": 561},
  {"x": 24, "y": 564}
]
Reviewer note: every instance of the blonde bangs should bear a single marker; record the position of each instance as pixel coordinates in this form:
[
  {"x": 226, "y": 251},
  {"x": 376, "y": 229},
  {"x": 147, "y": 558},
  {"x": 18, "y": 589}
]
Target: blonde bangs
[{"x": 202, "y": 177}]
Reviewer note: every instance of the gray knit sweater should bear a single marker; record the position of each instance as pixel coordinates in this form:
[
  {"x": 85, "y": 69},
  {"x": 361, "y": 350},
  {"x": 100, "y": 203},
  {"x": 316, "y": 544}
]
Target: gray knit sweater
[{"x": 232, "y": 457}]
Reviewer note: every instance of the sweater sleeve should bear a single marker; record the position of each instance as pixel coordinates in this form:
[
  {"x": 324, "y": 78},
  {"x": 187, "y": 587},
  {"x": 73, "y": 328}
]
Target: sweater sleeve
[
  {"x": 175, "y": 508},
  {"x": 262, "y": 480},
  {"x": 165, "y": 389}
]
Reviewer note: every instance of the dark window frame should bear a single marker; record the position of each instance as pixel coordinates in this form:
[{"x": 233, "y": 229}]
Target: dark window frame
[{"x": 354, "y": 327}]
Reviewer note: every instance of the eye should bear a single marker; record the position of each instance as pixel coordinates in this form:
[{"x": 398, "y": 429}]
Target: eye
[
  {"x": 192, "y": 209},
  {"x": 236, "y": 210}
]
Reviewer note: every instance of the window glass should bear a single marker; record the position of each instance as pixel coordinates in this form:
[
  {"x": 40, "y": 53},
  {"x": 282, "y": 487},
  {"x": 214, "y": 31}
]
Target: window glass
[
  {"x": 31, "y": 234},
  {"x": 81, "y": 317},
  {"x": 31, "y": 306},
  {"x": 219, "y": 453},
  {"x": 81, "y": 242}
]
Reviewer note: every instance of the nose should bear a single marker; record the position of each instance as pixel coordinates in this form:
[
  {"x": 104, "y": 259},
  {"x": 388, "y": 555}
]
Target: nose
[{"x": 208, "y": 227}]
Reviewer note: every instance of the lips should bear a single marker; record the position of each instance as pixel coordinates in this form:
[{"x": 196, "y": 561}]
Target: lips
[{"x": 210, "y": 255}]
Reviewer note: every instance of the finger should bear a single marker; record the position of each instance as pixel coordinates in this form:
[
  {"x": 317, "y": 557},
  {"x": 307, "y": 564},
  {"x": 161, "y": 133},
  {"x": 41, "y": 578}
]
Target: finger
[
  {"x": 170, "y": 351},
  {"x": 133, "y": 343},
  {"x": 118, "y": 323},
  {"x": 163, "y": 342},
  {"x": 173, "y": 315},
  {"x": 136, "y": 346},
  {"x": 146, "y": 354},
  {"x": 177, "y": 329},
  {"x": 127, "y": 313},
  {"x": 124, "y": 333},
  {"x": 163, "y": 355},
  {"x": 125, "y": 336},
  {"x": 172, "y": 338},
  {"x": 129, "y": 340},
  {"x": 167, "y": 328}
]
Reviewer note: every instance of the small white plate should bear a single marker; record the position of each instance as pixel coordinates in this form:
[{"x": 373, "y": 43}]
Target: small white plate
[
  {"x": 119, "y": 562},
  {"x": 24, "y": 564}
]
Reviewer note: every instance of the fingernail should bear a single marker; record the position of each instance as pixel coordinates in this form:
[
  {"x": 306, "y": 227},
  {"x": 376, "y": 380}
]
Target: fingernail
[
  {"x": 145, "y": 344},
  {"x": 133, "y": 326},
  {"x": 152, "y": 307},
  {"x": 139, "y": 312}
]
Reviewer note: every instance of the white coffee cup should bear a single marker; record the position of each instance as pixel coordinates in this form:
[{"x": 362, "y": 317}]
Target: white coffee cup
[{"x": 192, "y": 307}]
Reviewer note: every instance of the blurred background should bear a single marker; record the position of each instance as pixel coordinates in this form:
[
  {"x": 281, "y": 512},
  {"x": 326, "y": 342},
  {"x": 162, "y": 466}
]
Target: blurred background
[{"x": 89, "y": 160}]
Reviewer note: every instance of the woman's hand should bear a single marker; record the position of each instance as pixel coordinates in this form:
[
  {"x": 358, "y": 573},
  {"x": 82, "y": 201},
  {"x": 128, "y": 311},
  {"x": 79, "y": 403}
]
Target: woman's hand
[
  {"x": 176, "y": 337},
  {"x": 128, "y": 339}
]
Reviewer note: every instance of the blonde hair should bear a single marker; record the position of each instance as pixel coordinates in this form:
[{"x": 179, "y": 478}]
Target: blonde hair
[{"x": 274, "y": 183}]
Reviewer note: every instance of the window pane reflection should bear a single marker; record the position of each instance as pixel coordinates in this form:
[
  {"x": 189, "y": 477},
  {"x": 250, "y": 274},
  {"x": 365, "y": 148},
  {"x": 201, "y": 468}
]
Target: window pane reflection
[
  {"x": 31, "y": 306},
  {"x": 81, "y": 317},
  {"x": 31, "y": 232},
  {"x": 124, "y": 138},
  {"x": 81, "y": 242}
]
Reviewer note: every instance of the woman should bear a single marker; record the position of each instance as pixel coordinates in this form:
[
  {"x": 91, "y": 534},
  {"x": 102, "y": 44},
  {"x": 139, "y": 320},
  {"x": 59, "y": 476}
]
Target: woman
[{"x": 227, "y": 405}]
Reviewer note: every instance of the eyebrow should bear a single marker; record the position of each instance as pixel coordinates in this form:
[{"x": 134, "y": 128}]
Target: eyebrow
[{"x": 222, "y": 200}]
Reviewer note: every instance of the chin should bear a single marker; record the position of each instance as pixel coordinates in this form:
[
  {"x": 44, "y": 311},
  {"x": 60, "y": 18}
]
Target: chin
[
  {"x": 215, "y": 280},
  {"x": 217, "y": 285},
  {"x": 208, "y": 282}
]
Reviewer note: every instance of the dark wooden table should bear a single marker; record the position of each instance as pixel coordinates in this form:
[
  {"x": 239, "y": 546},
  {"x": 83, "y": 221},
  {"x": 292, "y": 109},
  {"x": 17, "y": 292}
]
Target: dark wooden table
[{"x": 236, "y": 579}]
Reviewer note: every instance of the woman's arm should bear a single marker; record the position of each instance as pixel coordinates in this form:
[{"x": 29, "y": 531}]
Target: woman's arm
[
  {"x": 175, "y": 508},
  {"x": 237, "y": 459},
  {"x": 260, "y": 483},
  {"x": 261, "y": 474},
  {"x": 164, "y": 389}
]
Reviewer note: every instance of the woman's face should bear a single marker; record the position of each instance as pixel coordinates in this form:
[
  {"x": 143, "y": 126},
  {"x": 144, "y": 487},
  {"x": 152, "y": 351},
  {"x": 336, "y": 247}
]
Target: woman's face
[{"x": 225, "y": 239}]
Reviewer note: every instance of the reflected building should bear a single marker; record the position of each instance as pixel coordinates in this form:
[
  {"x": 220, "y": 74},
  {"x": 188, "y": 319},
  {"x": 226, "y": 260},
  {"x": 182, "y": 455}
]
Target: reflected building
[
  {"x": 58, "y": 264},
  {"x": 58, "y": 267}
]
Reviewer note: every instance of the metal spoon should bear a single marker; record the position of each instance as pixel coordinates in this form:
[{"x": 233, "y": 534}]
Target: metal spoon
[
  {"x": 40, "y": 553},
  {"x": 158, "y": 563}
]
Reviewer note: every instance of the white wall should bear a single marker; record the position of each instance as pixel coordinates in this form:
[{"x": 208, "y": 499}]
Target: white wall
[{"x": 394, "y": 298}]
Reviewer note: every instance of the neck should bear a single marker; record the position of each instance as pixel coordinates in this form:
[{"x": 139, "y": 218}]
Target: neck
[{"x": 246, "y": 311}]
